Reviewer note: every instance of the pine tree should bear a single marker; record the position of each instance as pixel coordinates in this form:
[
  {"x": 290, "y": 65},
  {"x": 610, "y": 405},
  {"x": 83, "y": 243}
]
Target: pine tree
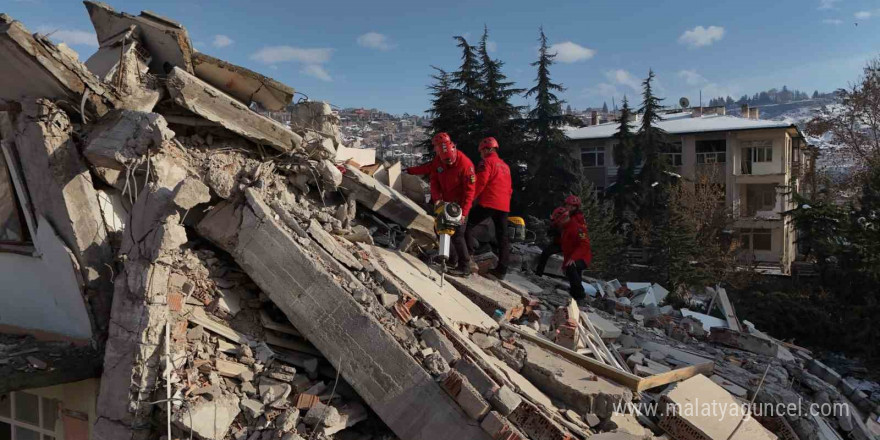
[
  {"x": 607, "y": 242},
  {"x": 551, "y": 168},
  {"x": 446, "y": 106},
  {"x": 673, "y": 247},
  {"x": 625, "y": 157},
  {"x": 651, "y": 143},
  {"x": 815, "y": 94},
  {"x": 605, "y": 107},
  {"x": 468, "y": 80}
]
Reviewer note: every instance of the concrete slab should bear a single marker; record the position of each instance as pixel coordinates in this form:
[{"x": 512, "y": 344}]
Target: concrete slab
[
  {"x": 606, "y": 328},
  {"x": 367, "y": 356},
  {"x": 424, "y": 283},
  {"x": 744, "y": 341},
  {"x": 166, "y": 40},
  {"x": 241, "y": 83},
  {"x": 387, "y": 202},
  {"x": 582, "y": 390},
  {"x": 683, "y": 356},
  {"x": 212, "y": 104},
  {"x": 698, "y": 400},
  {"x": 34, "y": 67},
  {"x": 709, "y": 322},
  {"x": 515, "y": 281},
  {"x": 489, "y": 295}
]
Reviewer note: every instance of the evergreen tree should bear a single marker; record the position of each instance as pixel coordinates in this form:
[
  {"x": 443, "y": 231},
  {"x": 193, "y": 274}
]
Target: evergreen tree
[
  {"x": 815, "y": 94},
  {"x": 673, "y": 246},
  {"x": 626, "y": 157},
  {"x": 568, "y": 110},
  {"x": 607, "y": 242},
  {"x": 651, "y": 143},
  {"x": 604, "y": 107},
  {"x": 446, "y": 106},
  {"x": 468, "y": 80},
  {"x": 551, "y": 168}
]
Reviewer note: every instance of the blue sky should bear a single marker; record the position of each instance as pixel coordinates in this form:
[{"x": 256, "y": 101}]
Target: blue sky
[{"x": 378, "y": 53}]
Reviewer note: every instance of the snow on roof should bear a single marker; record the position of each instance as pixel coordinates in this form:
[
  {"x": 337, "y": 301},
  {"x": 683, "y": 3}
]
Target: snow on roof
[{"x": 681, "y": 123}]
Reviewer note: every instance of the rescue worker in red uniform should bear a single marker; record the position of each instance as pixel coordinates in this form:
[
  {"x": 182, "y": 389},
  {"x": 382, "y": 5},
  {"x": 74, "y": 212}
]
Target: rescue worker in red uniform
[
  {"x": 454, "y": 181},
  {"x": 493, "y": 191},
  {"x": 553, "y": 232},
  {"x": 575, "y": 241}
]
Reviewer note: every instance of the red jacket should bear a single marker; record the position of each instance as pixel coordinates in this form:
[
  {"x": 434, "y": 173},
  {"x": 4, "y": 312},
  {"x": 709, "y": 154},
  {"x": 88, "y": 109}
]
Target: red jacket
[
  {"x": 575, "y": 240},
  {"x": 454, "y": 183},
  {"x": 493, "y": 183},
  {"x": 425, "y": 168}
]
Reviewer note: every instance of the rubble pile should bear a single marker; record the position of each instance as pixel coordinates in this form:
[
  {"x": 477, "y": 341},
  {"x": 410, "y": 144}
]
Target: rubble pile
[{"x": 248, "y": 282}]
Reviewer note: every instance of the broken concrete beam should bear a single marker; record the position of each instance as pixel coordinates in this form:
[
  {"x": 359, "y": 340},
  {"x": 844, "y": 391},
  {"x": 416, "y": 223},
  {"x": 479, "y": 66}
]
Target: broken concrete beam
[
  {"x": 368, "y": 357},
  {"x": 166, "y": 40},
  {"x": 688, "y": 412},
  {"x": 582, "y": 390},
  {"x": 122, "y": 138},
  {"x": 477, "y": 377},
  {"x": 744, "y": 341},
  {"x": 242, "y": 84},
  {"x": 387, "y": 202},
  {"x": 489, "y": 295},
  {"x": 206, "y": 101},
  {"x": 315, "y": 116},
  {"x": 433, "y": 338},
  {"x": 34, "y": 67},
  {"x": 123, "y": 65},
  {"x": 209, "y": 419},
  {"x": 332, "y": 246}
]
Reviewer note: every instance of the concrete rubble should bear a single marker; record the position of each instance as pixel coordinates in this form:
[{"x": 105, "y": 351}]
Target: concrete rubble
[{"x": 249, "y": 282}]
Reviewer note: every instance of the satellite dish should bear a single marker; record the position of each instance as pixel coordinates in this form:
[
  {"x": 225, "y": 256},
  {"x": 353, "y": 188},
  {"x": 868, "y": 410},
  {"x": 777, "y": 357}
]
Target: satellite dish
[{"x": 683, "y": 102}]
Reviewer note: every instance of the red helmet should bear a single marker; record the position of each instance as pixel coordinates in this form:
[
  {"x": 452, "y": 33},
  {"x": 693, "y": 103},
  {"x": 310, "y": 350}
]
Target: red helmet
[
  {"x": 440, "y": 139},
  {"x": 488, "y": 142},
  {"x": 447, "y": 152},
  {"x": 573, "y": 200}
]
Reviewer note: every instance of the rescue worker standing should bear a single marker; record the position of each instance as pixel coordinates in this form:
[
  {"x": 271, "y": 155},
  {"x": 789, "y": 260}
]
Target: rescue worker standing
[
  {"x": 430, "y": 166},
  {"x": 575, "y": 241},
  {"x": 454, "y": 181},
  {"x": 493, "y": 191}
]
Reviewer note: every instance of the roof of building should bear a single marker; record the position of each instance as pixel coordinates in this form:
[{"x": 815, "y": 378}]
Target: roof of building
[{"x": 681, "y": 123}]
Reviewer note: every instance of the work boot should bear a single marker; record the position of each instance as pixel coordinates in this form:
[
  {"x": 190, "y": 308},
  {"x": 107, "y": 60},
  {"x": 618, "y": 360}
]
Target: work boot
[
  {"x": 498, "y": 273},
  {"x": 460, "y": 271},
  {"x": 583, "y": 302}
]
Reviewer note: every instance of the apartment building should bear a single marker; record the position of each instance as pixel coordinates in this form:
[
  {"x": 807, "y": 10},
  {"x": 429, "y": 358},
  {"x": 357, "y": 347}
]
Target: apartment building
[{"x": 758, "y": 163}]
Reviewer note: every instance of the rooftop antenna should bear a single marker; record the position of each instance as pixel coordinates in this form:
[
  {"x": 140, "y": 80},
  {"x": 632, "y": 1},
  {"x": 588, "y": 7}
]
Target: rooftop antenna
[
  {"x": 613, "y": 104},
  {"x": 701, "y": 98}
]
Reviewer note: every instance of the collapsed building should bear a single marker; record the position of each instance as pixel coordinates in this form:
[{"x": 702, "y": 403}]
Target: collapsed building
[{"x": 177, "y": 265}]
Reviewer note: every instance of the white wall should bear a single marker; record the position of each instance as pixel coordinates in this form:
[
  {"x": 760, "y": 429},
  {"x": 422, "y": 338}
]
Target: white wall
[{"x": 43, "y": 292}]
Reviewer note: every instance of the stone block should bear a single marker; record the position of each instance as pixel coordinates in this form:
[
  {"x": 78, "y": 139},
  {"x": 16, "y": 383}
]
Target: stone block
[
  {"x": 477, "y": 377},
  {"x": 505, "y": 400},
  {"x": 439, "y": 342},
  {"x": 471, "y": 402}
]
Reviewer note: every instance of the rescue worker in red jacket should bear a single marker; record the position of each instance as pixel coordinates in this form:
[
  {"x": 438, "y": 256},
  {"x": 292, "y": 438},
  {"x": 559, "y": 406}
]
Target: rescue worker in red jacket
[
  {"x": 493, "y": 191},
  {"x": 553, "y": 233},
  {"x": 575, "y": 240},
  {"x": 454, "y": 181}
]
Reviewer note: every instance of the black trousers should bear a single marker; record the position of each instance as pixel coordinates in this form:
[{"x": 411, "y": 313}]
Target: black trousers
[
  {"x": 554, "y": 248},
  {"x": 458, "y": 250},
  {"x": 573, "y": 273},
  {"x": 499, "y": 219}
]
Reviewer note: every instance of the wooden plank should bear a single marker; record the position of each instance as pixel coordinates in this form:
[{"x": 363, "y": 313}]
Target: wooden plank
[
  {"x": 628, "y": 380},
  {"x": 676, "y": 375},
  {"x": 198, "y": 317},
  {"x": 729, "y": 313}
]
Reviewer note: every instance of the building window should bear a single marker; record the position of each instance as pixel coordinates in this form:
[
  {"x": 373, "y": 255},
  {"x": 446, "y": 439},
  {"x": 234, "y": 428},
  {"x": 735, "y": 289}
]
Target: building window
[
  {"x": 758, "y": 151},
  {"x": 760, "y": 198},
  {"x": 756, "y": 239},
  {"x": 593, "y": 156},
  {"x": 674, "y": 154},
  {"x": 13, "y": 229},
  {"x": 25, "y": 416},
  {"x": 714, "y": 151}
]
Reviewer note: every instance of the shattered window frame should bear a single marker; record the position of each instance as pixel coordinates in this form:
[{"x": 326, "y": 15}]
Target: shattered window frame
[{"x": 17, "y": 216}]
